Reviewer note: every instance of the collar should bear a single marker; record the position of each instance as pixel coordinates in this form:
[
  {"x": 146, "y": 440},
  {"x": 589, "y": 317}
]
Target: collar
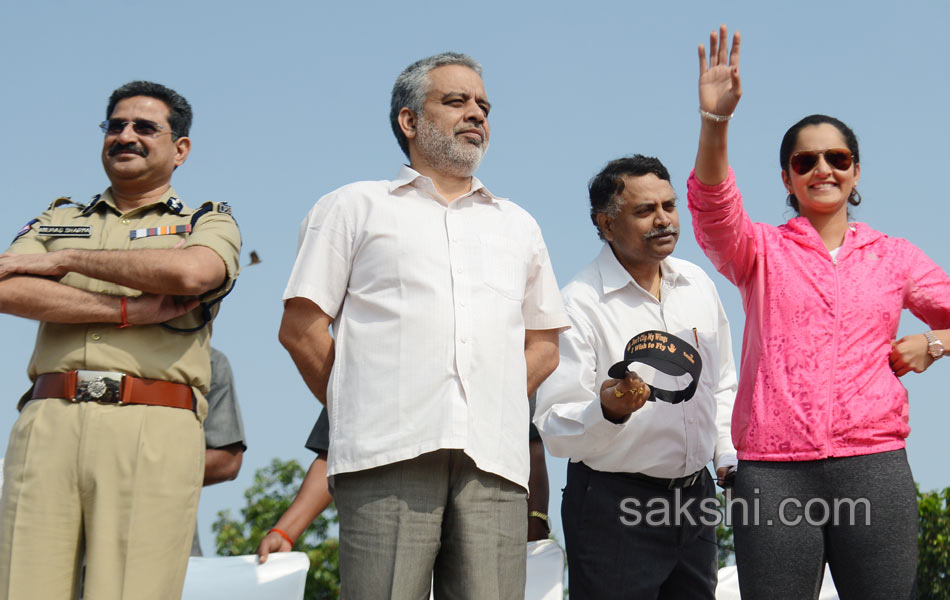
[
  {"x": 408, "y": 176},
  {"x": 169, "y": 201},
  {"x": 614, "y": 277},
  {"x": 800, "y": 230}
]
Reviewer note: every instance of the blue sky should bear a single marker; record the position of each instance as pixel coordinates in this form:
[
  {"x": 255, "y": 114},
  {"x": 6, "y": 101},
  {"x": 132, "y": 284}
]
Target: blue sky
[{"x": 291, "y": 102}]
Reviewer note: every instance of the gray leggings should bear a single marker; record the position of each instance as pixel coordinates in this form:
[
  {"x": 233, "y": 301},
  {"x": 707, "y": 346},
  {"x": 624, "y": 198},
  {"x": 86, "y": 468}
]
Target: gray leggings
[{"x": 858, "y": 514}]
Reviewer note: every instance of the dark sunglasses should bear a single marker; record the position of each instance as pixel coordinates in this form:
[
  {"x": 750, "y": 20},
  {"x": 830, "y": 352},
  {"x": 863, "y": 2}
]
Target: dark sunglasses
[
  {"x": 803, "y": 162},
  {"x": 143, "y": 127}
]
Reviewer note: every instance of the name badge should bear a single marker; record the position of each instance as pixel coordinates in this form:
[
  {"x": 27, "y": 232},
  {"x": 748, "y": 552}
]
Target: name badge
[{"x": 65, "y": 230}]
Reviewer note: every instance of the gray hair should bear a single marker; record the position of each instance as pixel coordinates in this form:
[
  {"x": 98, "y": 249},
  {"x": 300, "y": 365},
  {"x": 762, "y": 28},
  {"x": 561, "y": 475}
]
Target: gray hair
[{"x": 412, "y": 85}]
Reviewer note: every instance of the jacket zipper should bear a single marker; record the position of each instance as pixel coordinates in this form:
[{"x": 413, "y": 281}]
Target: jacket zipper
[{"x": 834, "y": 357}]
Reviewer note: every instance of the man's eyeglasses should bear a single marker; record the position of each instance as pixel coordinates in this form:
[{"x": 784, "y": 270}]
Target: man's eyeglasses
[
  {"x": 143, "y": 127},
  {"x": 837, "y": 158}
]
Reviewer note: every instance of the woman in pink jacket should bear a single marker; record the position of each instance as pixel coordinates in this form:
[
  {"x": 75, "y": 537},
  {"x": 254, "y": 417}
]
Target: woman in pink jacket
[{"x": 820, "y": 417}]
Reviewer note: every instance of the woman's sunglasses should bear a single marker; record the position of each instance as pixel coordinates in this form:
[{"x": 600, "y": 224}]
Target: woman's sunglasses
[{"x": 803, "y": 162}]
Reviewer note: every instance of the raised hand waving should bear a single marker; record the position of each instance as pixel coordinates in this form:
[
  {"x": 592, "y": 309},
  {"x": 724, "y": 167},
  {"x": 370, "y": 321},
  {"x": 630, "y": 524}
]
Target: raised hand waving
[{"x": 719, "y": 84}]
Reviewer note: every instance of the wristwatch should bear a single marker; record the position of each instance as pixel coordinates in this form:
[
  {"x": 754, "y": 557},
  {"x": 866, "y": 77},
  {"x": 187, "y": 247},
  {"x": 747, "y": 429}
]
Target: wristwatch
[
  {"x": 934, "y": 346},
  {"x": 544, "y": 519}
]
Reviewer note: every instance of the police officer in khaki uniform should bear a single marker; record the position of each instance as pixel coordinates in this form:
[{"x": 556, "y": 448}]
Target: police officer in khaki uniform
[{"x": 106, "y": 458}]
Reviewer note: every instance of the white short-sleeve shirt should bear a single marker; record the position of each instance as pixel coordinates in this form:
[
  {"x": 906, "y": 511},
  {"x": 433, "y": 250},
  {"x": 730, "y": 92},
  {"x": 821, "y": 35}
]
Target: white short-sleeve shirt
[{"x": 430, "y": 302}]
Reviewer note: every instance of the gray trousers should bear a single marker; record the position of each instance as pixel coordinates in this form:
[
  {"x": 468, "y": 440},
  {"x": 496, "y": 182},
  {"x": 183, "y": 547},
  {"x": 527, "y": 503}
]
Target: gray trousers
[
  {"x": 858, "y": 514},
  {"x": 434, "y": 520}
]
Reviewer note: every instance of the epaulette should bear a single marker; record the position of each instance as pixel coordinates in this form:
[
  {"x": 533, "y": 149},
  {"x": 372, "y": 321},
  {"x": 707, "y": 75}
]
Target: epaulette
[
  {"x": 219, "y": 207},
  {"x": 64, "y": 200},
  {"x": 92, "y": 205}
]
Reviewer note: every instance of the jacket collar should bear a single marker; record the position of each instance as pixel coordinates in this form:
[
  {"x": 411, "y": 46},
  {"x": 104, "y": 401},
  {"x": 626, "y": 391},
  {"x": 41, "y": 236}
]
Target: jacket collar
[{"x": 859, "y": 234}]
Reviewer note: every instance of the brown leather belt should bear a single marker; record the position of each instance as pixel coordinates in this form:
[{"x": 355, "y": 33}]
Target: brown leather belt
[{"x": 113, "y": 388}]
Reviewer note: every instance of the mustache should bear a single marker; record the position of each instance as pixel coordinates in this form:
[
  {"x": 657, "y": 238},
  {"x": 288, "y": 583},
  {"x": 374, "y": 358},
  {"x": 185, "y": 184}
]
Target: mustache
[
  {"x": 469, "y": 127},
  {"x": 671, "y": 230},
  {"x": 130, "y": 147}
]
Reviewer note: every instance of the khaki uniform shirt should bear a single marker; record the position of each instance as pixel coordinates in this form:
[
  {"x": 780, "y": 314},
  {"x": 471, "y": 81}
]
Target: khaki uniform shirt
[{"x": 149, "y": 351}]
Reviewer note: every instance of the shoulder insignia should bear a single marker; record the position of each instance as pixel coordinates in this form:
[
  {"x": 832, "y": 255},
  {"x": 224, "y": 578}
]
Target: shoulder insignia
[
  {"x": 92, "y": 204},
  {"x": 205, "y": 209},
  {"x": 25, "y": 228},
  {"x": 64, "y": 200},
  {"x": 174, "y": 205},
  {"x": 209, "y": 207}
]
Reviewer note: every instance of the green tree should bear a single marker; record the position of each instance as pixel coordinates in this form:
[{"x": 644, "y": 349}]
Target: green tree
[
  {"x": 270, "y": 495},
  {"x": 933, "y": 544},
  {"x": 727, "y": 547}
]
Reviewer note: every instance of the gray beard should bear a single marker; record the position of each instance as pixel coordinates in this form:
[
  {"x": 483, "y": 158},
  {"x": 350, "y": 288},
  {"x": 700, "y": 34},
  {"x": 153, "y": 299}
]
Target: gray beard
[{"x": 446, "y": 153}]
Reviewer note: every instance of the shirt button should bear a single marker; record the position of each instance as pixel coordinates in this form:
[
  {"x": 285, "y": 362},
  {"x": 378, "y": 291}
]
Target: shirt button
[
  {"x": 96, "y": 337},
  {"x": 463, "y": 339},
  {"x": 125, "y": 221},
  {"x": 692, "y": 420}
]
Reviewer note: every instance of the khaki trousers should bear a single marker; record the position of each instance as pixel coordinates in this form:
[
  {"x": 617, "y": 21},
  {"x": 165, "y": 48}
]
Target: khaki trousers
[{"x": 119, "y": 484}]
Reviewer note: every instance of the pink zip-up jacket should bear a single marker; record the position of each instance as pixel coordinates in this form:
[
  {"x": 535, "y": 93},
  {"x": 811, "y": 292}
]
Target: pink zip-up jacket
[{"x": 814, "y": 379}]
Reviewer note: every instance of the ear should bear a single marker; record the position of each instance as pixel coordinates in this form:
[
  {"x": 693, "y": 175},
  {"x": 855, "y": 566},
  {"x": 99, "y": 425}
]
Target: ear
[
  {"x": 407, "y": 122},
  {"x": 857, "y": 172},
  {"x": 182, "y": 148},
  {"x": 605, "y": 224},
  {"x": 786, "y": 181}
]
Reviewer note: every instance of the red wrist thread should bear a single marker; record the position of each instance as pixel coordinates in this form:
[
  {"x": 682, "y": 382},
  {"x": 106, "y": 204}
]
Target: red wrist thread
[
  {"x": 282, "y": 534},
  {"x": 125, "y": 317}
]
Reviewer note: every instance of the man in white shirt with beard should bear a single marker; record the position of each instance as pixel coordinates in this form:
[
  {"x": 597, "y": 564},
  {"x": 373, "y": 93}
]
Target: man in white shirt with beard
[
  {"x": 443, "y": 305},
  {"x": 629, "y": 453}
]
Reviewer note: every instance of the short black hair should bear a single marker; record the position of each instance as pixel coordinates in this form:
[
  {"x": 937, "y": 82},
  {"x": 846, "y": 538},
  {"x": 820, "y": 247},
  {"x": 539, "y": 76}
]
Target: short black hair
[
  {"x": 605, "y": 187},
  {"x": 791, "y": 138},
  {"x": 179, "y": 111}
]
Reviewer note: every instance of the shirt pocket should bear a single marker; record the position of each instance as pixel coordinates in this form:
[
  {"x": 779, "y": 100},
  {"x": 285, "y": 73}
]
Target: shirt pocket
[{"x": 504, "y": 266}]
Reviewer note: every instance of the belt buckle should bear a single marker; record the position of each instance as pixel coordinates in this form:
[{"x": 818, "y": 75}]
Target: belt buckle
[
  {"x": 683, "y": 482},
  {"x": 99, "y": 386}
]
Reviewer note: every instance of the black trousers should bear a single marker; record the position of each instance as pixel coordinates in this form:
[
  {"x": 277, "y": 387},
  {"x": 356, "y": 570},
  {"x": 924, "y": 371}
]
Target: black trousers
[{"x": 632, "y": 539}]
